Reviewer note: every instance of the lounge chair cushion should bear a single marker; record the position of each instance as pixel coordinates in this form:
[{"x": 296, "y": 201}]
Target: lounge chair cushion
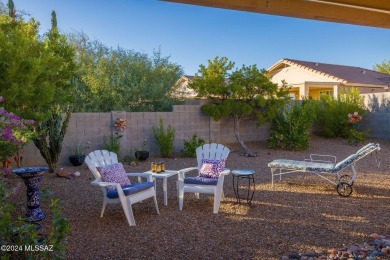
[
  {"x": 366, "y": 150},
  {"x": 130, "y": 189},
  {"x": 344, "y": 163},
  {"x": 302, "y": 165},
  {"x": 200, "y": 180},
  {"x": 114, "y": 173},
  {"x": 212, "y": 168}
]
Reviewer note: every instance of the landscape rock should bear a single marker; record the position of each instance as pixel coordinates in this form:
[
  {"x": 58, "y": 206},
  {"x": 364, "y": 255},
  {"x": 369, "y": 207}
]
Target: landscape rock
[{"x": 366, "y": 251}]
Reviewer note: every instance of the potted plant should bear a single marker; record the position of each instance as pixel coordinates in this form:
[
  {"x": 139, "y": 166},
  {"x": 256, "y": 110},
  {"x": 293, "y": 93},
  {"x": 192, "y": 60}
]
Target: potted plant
[
  {"x": 142, "y": 155},
  {"x": 78, "y": 153}
]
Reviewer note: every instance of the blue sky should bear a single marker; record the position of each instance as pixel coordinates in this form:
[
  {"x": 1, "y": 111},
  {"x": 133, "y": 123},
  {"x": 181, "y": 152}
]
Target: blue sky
[{"x": 191, "y": 35}]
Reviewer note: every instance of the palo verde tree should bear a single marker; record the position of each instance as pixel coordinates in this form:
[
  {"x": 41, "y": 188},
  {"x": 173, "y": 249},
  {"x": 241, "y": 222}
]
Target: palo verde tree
[
  {"x": 243, "y": 93},
  {"x": 25, "y": 68}
]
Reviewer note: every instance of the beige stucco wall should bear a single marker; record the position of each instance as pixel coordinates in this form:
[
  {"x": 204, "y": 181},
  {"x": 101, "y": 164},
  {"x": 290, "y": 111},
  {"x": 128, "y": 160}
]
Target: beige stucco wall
[{"x": 294, "y": 75}]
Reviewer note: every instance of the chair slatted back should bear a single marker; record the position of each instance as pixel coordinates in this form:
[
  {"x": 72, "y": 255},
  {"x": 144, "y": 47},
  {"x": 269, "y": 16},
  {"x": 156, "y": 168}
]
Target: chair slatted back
[
  {"x": 211, "y": 151},
  {"x": 100, "y": 158}
]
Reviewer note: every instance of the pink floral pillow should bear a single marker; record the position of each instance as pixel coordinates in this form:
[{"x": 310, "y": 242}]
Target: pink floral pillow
[
  {"x": 212, "y": 168},
  {"x": 114, "y": 173}
]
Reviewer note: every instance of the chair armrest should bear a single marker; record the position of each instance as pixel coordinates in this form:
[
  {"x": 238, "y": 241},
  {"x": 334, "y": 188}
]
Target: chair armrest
[
  {"x": 182, "y": 172},
  {"x": 225, "y": 172},
  {"x": 148, "y": 176},
  {"x": 326, "y": 158},
  {"x": 222, "y": 177},
  {"x": 105, "y": 184}
]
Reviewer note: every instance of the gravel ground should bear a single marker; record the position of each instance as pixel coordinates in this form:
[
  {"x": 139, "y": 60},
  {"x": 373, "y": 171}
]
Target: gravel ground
[{"x": 301, "y": 213}]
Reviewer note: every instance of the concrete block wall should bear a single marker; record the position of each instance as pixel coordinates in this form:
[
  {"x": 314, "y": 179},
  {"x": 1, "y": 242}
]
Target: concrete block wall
[
  {"x": 185, "y": 119},
  {"x": 377, "y": 115}
]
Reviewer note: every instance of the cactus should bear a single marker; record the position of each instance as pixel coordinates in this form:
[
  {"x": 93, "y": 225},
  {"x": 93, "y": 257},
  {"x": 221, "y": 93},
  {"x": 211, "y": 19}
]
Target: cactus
[
  {"x": 11, "y": 9},
  {"x": 54, "y": 20},
  {"x": 51, "y": 133}
]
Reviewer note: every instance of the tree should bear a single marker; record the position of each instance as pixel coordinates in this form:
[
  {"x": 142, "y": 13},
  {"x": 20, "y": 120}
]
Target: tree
[
  {"x": 24, "y": 66},
  {"x": 119, "y": 79},
  {"x": 243, "y": 93},
  {"x": 35, "y": 75},
  {"x": 383, "y": 67}
]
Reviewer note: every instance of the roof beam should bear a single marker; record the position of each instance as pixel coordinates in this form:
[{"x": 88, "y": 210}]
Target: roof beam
[{"x": 375, "y": 13}]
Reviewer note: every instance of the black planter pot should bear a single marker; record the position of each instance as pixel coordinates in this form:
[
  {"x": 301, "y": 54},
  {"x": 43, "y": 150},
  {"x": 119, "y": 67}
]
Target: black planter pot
[
  {"x": 77, "y": 160},
  {"x": 141, "y": 155}
]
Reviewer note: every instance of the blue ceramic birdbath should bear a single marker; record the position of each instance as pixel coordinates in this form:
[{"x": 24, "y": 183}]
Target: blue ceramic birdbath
[{"x": 31, "y": 177}]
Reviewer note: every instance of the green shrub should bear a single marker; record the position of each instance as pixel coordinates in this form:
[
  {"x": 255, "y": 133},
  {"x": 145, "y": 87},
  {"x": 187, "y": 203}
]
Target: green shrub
[
  {"x": 191, "y": 145},
  {"x": 164, "y": 138},
  {"x": 113, "y": 145},
  {"x": 332, "y": 114},
  {"x": 356, "y": 137},
  {"x": 290, "y": 127}
]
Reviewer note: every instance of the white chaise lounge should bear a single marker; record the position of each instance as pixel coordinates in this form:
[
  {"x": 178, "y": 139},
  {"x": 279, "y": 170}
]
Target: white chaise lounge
[{"x": 325, "y": 165}]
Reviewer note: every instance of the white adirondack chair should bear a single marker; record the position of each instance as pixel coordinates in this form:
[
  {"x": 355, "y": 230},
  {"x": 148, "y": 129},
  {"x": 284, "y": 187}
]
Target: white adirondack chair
[
  {"x": 102, "y": 158},
  {"x": 202, "y": 185}
]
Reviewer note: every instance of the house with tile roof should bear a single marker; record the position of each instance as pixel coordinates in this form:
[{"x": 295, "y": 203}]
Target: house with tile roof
[{"x": 311, "y": 79}]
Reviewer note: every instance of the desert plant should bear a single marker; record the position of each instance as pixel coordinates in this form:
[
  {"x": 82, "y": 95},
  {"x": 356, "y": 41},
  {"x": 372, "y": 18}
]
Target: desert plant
[
  {"x": 50, "y": 135},
  {"x": 355, "y": 137},
  {"x": 191, "y": 145},
  {"x": 290, "y": 127},
  {"x": 164, "y": 138},
  {"x": 79, "y": 148},
  {"x": 113, "y": 145},
  {"x": 331, "y": 119}
]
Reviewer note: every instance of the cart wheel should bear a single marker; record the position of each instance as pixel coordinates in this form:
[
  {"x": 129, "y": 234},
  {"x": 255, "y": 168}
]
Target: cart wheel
[
  {"x": 344, "y": 189},
  {"x": 346, "y": 178}
]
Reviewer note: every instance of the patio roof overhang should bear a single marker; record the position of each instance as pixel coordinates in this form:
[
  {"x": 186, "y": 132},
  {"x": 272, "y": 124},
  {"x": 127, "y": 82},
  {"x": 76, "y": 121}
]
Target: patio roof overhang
[{"x": 375, "y": 13}]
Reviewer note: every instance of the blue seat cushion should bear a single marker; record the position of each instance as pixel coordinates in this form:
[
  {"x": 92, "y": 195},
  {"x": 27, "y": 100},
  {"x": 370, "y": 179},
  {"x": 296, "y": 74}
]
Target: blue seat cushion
[
  {"x": 130, "y": 189},
  {"x": 200, "y": 180}
]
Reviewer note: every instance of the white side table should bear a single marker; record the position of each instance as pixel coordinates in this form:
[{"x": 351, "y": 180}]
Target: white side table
[{"x": 163, "y": 175}]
